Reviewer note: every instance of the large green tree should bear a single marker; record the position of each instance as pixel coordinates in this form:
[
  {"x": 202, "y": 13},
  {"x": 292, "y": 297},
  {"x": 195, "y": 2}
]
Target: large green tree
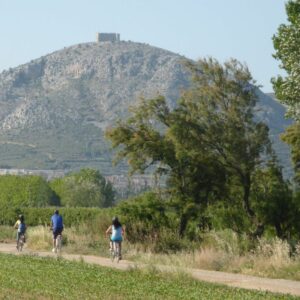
[
  {"x": 218, "y": 113},
  {"x": 26, "y": 191},
  {"x": 209, "y": 142},
  {"x": 147, "y": 140},
  {"x": 85, "y": 188},
  {"x": 287, "y": 89}
]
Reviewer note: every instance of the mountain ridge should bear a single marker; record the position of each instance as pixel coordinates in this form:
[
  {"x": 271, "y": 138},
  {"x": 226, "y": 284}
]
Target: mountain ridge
[{"x": 54, "y": 109}]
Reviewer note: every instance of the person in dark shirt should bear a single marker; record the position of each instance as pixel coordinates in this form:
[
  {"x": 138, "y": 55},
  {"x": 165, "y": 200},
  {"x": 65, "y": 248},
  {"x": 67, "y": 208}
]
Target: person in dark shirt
[{"x": 57, "y": 227}]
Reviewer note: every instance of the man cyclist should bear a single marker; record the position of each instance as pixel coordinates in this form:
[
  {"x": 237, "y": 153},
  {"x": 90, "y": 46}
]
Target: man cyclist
[
  {"x": 57, "y": 227},
  {"x": 20, "y": 225}
]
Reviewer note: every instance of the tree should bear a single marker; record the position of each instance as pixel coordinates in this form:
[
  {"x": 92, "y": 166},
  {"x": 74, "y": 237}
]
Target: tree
[
  {"x": 292, "y": 137},
  {"x": 205, "y": 145},
  {"x": 86, "y": 188},
  {"x": 26, "y": 191},
  {"x": 287, "y": 89},
  {"x": 273, "y": 199},
  {"x": 217, "y": 117},
  {"x": 147, "y": 140}
]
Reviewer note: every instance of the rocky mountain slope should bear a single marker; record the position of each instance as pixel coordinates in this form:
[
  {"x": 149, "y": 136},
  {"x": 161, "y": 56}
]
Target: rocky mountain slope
[{"x": 54, "y": 110}]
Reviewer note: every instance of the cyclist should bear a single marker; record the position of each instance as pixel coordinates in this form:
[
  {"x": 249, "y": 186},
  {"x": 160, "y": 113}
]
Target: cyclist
[
  {"x": 57, "y": 227},
  {"x": 21, "y": 226},
  {"x": 117, "y": 232}
]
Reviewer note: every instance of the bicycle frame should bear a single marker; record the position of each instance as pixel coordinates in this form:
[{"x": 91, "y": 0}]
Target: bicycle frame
[
  {"x": 20, "y": 243},
  {"x": 58, "y": 243},
  {"x": 115, "y": 251}
]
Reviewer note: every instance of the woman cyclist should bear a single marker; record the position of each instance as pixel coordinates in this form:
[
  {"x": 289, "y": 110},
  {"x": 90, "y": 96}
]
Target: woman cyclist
[{"x": 117, "y": 232}]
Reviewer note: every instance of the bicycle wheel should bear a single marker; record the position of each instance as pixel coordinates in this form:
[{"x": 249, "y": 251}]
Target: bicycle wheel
[
  {"x": 113, "y": 251},
  {"x": 117, "y": 253},
  {"x": 20, "y": 243},
  {"x": 58, "y": 243}
]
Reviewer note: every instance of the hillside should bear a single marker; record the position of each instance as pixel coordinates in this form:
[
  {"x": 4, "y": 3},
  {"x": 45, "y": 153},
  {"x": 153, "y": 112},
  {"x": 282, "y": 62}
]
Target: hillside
[{"x": 54, "y": 110}]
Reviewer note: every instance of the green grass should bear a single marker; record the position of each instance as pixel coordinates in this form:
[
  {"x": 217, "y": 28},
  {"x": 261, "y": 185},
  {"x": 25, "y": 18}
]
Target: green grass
[
  {"x": 7, "y": 234},
  {"x": 28, "y": 277}
]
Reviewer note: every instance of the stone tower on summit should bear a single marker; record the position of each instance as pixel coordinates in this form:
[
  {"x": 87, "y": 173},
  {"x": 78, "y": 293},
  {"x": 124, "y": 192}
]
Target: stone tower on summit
[{"x": 107, "y": 37}]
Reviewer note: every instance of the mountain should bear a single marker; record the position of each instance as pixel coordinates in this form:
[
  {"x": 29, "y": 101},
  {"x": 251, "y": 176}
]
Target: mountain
[
  {"x": 270, "y": 111},
  {"x": 54, "y": 109}
]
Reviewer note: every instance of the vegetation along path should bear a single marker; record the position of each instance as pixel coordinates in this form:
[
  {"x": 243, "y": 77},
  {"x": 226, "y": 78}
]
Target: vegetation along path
[{"x": 234, "y": 280}]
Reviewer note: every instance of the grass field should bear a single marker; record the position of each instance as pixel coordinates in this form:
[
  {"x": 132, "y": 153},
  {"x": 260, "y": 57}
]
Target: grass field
[
  {"x": 29, "y": 277},
  {"x": 271, "y": 258}
]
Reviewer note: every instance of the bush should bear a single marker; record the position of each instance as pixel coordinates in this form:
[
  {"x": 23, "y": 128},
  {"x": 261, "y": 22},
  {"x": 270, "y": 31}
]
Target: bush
[
  {"x": 25, "y": 191},
  {"x": 144, "y": 216},
  {"x": 223, "y": 215},
  {"x": 169, "y": 241},
  {"x": 86, "y": 188},
  {"x": 41, "y": 216}
]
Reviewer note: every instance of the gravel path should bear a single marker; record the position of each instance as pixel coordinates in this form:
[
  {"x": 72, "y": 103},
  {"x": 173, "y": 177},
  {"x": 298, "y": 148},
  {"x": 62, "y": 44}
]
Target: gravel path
[{"x": 235, "y": 280}]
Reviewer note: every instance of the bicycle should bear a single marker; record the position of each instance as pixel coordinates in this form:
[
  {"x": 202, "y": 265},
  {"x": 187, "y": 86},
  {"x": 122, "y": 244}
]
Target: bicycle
[
  {"x": 21, "y": 242},
  {"x": 115, "y": 251},
  {"x": 58, "y": 244}
]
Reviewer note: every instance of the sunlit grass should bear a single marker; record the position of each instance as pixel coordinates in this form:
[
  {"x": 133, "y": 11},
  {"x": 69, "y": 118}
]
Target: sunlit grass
[
  {"x": 218, "y": 251},
  {"x": 7, "y": 234},
  {"x": 270, "y": 258},
  {"x": 26, "y": 277}
]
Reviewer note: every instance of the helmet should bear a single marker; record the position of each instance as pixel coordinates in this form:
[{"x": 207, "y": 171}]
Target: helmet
[{"x": 21, "y": 218}]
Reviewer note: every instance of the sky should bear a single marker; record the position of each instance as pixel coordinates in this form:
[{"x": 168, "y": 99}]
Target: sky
[{"x": 222, "y": 29}]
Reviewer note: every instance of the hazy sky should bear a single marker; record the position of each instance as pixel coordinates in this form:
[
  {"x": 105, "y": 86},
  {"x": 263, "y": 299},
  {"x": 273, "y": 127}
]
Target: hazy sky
[{"x": 241, "y": 29}]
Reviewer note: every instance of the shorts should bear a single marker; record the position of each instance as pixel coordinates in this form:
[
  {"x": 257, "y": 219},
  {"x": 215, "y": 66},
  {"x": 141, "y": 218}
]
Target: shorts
[
  {"x": 19, "y": 234},
  {"x": 116, "y": 240},
  {"x": 57, "y": 232}
]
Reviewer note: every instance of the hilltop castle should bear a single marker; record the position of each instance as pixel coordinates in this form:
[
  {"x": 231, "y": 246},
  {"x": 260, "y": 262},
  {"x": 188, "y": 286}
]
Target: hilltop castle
[{"x": 107, "y": 37}]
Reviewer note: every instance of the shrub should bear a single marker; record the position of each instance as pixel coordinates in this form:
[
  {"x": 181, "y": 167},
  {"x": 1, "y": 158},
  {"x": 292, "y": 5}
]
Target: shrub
[
  {"x": 25, "y": 191},
  {"x": 41, "y": 216},
  {"x": 169, "y": 241},
  {"x": 86, "y": 188}
]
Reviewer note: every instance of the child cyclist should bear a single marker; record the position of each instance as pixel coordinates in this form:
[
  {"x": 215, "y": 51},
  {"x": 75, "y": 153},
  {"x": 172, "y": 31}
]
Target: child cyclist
[
  {"x": 117, "y": 232},
  {"x": 21, "y": 228}
]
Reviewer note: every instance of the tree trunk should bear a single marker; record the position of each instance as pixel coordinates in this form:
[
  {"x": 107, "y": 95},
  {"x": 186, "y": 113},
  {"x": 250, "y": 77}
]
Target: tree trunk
[
  {"x": 247, "y": 187},
  {"x": 279, "y": 230},
  {"x": 260, "y": 227},
  {"x": 183, "y": 224}
]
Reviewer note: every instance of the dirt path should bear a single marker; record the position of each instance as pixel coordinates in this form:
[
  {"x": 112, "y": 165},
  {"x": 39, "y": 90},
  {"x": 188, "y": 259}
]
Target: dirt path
[{"x": 234, "y": 280}]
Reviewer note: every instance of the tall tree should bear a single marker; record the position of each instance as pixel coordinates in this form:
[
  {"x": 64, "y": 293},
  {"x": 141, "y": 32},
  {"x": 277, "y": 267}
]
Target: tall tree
[
  {"x": 287, "y": 89},
  {"x": 221, "y": 104},
  {"x": 147, "y": 140},
  {"x": 209, "y": 140}
]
